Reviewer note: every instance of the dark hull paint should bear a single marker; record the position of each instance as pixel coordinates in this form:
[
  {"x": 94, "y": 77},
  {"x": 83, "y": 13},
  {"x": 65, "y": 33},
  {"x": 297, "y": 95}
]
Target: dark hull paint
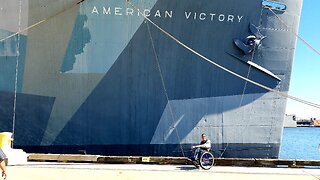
[{"x": 91, "y": 81}]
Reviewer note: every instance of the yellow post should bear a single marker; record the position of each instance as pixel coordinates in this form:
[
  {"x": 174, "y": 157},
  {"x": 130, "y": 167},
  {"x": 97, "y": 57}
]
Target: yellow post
[{"x": 5, "y": 140}]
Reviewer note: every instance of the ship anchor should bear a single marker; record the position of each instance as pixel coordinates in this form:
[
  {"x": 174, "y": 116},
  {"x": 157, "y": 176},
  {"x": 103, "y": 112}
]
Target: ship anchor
[{"x": 251, "y": 41}]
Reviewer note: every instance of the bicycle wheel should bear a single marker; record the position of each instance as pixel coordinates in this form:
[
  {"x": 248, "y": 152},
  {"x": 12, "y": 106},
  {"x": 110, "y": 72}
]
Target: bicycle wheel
[{"x": 206, "y": 160}]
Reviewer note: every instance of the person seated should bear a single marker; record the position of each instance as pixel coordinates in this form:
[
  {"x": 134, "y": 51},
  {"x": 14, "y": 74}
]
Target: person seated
[{"x": 205, "y": 145}]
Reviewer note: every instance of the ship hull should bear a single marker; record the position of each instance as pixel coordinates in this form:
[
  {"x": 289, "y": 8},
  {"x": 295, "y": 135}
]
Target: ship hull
[{"x": 98, "y": 77}]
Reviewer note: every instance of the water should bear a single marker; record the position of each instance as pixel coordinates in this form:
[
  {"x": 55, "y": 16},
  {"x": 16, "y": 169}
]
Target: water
[{"x": 300, "y": 143}]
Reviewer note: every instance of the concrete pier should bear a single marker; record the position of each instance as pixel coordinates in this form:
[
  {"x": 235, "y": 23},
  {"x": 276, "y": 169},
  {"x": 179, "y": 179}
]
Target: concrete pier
[
  {"x": 247, "y": 162},
  {"x": 85, "y": 171},
  {"x": 67, "y": 166}
]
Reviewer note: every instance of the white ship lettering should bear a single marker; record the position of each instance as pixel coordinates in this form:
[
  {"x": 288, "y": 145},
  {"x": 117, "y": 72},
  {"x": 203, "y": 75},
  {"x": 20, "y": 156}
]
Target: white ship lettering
[
  {"x": 213, "y": 17},
  {"x": 119, "y": 11},
  {"x": 189, "y": 15}
]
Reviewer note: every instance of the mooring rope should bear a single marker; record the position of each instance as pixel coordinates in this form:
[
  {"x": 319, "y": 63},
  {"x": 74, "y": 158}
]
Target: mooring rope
[
  {"x": 188, "y": 48},
  {"x": 290, "y": 29},
  {"x": 165, "y": 89},
  {"x": 42, "y": 21},
  {"x": 222, "y": 67},
  {"x": 16, "y": 72},
  {"x": 177, "y": 41}
]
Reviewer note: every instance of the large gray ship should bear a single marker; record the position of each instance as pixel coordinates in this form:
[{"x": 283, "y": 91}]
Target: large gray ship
[{"x": 98, "y": 76}]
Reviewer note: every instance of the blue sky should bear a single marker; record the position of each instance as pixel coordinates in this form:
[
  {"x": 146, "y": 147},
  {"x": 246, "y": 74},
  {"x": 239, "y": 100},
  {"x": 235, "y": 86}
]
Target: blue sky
[{"x": 305, "y": 82}]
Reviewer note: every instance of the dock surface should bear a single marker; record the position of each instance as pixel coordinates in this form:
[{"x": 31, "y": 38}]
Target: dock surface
[{"x": 86, "y": 171}]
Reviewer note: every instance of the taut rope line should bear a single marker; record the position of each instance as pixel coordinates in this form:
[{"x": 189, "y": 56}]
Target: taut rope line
[
  {"x": 190, "y": 49},
  {"x": 297, "y": 35},
  {"x": 223, "y": 68},
  {"x": 165, "y": 89},
  {"x": 16, "y": 72}
]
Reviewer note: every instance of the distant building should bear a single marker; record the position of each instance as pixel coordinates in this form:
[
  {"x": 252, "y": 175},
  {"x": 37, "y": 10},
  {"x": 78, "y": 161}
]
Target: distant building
[{"x": 290, "y": 121}]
